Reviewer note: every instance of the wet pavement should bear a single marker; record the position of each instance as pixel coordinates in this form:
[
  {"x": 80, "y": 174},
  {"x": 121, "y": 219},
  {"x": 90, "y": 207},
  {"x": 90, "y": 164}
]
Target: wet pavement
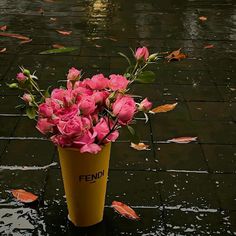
[{"x": 177, "y": 189}]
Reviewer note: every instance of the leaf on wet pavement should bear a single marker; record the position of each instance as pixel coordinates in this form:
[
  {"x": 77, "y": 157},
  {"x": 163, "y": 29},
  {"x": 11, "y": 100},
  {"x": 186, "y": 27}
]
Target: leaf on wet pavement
[
  {"x": 182, "y": 140},
  {"x": 24, "y": 196},
  {"x": 202, "y": 18},
  {"x": 176, "y": 55},
  {"x": 53, "y": 19},
  {"x": 125, "y": 210},
  {"x": 18, "y": 36},
  {"x": 64, "y": 32},
  {"x": 59, "y": 50},
  {"x": 164, "y": 108},
  {"x": 209, "y": 46},
  {"x": 3, "y": 28},
  {"x": 3, "y": 50},
  {"x": 140, "y": 146},
  {"x": 58, "y": 46},
  {"x": 25, "y": 41}
]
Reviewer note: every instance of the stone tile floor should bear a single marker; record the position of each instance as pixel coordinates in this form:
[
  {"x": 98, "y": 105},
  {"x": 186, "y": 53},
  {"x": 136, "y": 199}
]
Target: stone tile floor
[{"x": 177, "y": 189}]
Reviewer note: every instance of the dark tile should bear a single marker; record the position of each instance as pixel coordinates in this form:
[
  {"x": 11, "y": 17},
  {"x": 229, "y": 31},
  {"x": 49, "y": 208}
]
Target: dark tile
[
  {"x": 228, "y": 93},
  {"x": 200, "y": 93},
  {"x": 180, "y": 157},
  {"x": 135, "y": 188},
  {"x": 188, "y": 191},
  {"x": 29, "y": 180},
  {"x": 8, "y": 104},
  {"x": 220, "y": 158},
  {"x": 3, "y": 145},
  {"x": 27, "y": 128},
  {"x": 27, "y": 153},
  {"x": 232, "y": 108},
  {"x": 209, "y": 111},
  {"x": 196, "y": 223},
  {"x": 226, "y": 190},
  {"x": 206, "y": 131},
  {"x": 141, "y": 128},
  {"x": 125, "y": 157},
  {"x": 7, "y": 129},
  {"x": 232, "y": 219},
  {"x": 223, "y": 77}
]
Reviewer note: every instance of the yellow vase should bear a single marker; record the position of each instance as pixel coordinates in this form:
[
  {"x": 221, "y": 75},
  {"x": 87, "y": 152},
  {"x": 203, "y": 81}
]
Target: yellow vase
[{"x": 85, "y": 180}]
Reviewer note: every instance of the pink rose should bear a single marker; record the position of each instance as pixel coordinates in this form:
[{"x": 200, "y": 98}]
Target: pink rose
[
  {"x": 44, "y": 110},
  {"x": 142, "y": 53},
  {"x": 98, "y": 82},
  {"x": 91, "y": 148},
  {"x": 117, "y": 82},
  {"x": 145, "y": 105},
  {"x": 53, "y": 104},
  {"x": 124, "y": 108},
  {"x": 58, "y": 94},
  {"x": 102, "y": 129},
  {"x": 71, "y": 127},
  {"x": 73, "y": 74},
  {"x": 100, "y": 96},
  {"x": 27, "y": 98},
  {"x": 87, "y": 105},
  {"x": 44, "y": 126},
  {"x": 21, "y": 77},
  {"x": 67, "y": 113},
  {"x": 61, "y": 140}
]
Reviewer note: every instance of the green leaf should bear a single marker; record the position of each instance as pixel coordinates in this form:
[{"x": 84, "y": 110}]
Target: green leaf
[
  {"x": 46, "y": 92},
  {"x": 134, "y": 138},
  {"x": 13, "y": 85},
  {"x": 31, "y": 112},
  {"x": 123, "y": 55},
  {"x": 59, "y": 50},
  {"x": 146, "y": 77}
]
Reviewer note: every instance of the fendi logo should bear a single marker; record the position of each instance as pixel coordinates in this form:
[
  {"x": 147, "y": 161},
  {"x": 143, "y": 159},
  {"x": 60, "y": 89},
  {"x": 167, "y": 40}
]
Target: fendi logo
[{"x": 91, "y": 177}]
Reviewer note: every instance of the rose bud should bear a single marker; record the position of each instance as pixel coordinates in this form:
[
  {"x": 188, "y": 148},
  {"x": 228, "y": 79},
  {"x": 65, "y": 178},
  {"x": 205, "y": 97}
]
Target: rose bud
[
  {"x": 27, "y": 98},
  {"x": 145, "y": 105},
  {"x": 21, "y": 77},
  {"x": 73, "y": 74},
  {"x": 142, "y": 54}
]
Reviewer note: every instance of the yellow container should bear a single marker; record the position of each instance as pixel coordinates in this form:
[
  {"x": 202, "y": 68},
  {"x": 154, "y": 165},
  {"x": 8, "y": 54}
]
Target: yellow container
[{"x": 85, "y": 180}]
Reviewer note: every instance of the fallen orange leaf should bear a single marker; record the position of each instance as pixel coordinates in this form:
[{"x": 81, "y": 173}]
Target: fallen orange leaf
[
  {"x": 3, "y": 28},
  {"x": 26, "y": 41},
  {"x": 125, "y": 210},
  {"x": 3, "y": 50},
  {"x": 164, "y": 108},
  {"x": 176, "y": 55},
  {"x": 202, "y": 18},
  {"x": 18, "y": 36},
  {"x": 64, "y": 32},
  {"x": 209, "y": 46},
  {"x": 24, "y": 196},
  {"x": 140, "y": 146},
  {"x": 182, "y": 140},
  {"x": 58, "y": 46}
]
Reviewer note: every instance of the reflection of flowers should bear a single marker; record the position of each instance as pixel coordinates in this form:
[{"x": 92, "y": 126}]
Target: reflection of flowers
[{"x": 87, "y": 113}]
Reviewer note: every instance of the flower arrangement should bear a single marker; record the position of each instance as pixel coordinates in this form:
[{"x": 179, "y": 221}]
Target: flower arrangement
[{"x": 87, "y": 113}]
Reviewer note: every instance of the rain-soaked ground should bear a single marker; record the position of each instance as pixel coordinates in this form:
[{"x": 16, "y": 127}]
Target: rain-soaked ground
[{"x": 177, "y": 189}]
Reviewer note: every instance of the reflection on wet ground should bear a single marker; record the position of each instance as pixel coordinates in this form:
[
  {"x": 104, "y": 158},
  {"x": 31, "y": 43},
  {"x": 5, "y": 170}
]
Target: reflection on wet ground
[{"x": 177, "y": 189}]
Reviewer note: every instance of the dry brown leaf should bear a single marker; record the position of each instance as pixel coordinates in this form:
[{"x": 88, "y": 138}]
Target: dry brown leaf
[
  {"x": 164, "y": 108},
  {"x": 176, "y": 55},
  {"x": 58, "y": 46},
  {"x": 24, "y": 196},
  {"x": 26, "y": 41},
  {"x": 3, "y": 28},
  {"x": 209, "y": 46},
  {"x": 125, "y": 210},
  {"x": 202, "y": 18},
  {"x": 140, "y": 146},
  {"x": 18, "y": 36},
  {"x": 182, "y": 140},
  {"x": 64, "y": 32},
  {"x": 3, "y": 50}
]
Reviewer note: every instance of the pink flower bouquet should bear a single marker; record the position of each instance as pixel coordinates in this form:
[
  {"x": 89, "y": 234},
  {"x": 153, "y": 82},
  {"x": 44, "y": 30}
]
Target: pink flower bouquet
[{"x": 87, "y": 113}]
